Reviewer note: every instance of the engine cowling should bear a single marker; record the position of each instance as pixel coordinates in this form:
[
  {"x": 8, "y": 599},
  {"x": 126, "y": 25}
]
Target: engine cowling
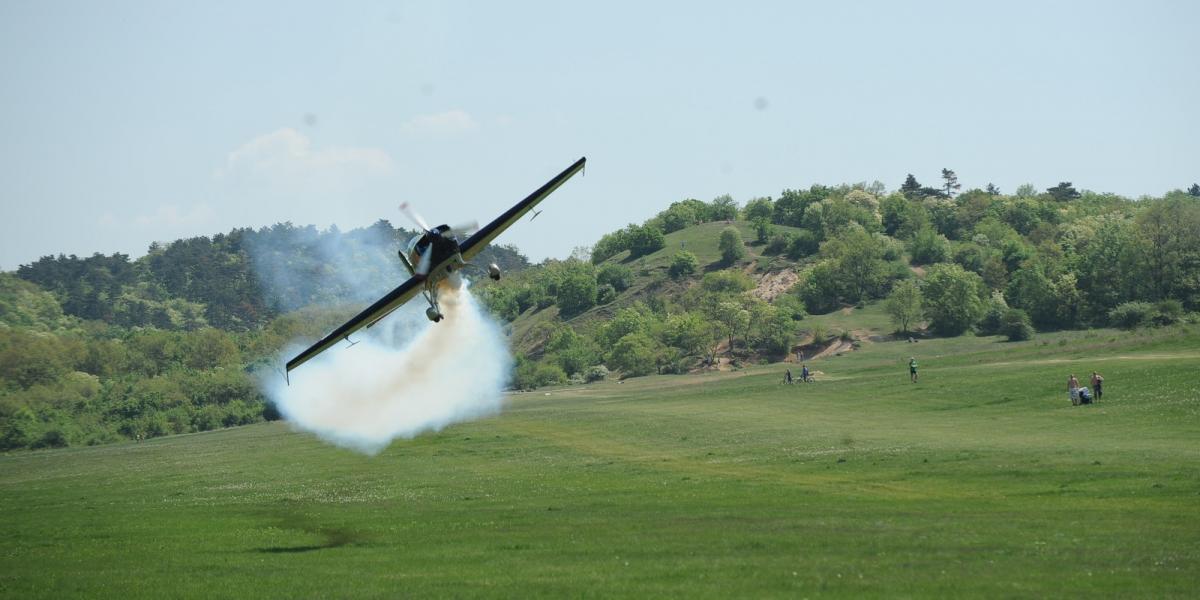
[{"x": 494, "y": 272}]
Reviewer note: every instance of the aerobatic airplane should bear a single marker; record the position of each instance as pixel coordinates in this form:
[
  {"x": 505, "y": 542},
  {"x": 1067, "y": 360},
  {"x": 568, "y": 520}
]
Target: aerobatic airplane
[{"x": 430, "y": 258}]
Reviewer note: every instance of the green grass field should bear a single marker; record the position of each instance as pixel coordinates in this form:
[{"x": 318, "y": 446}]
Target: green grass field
[{"x": 981, "y": 480}]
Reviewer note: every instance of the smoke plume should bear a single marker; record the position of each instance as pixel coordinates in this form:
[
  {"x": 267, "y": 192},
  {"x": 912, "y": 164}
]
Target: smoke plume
[{"x": 404, "y": 376}]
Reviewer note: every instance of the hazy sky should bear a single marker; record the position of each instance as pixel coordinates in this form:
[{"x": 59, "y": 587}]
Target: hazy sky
[{"x": 122, "y": 123}]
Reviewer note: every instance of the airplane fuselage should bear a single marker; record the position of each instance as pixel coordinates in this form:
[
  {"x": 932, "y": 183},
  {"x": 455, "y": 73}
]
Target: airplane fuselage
[{"x": 444, "y": 256}]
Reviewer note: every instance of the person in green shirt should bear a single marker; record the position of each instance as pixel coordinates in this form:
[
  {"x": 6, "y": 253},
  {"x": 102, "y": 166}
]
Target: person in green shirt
[{"x": 912, "y": 368}]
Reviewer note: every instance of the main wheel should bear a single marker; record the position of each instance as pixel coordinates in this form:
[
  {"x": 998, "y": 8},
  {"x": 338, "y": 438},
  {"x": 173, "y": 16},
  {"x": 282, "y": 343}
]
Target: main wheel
[{"x": 433, "y": 315}]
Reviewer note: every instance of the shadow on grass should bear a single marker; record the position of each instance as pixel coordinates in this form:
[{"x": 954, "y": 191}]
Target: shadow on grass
[{"x": 335, "y": 537}]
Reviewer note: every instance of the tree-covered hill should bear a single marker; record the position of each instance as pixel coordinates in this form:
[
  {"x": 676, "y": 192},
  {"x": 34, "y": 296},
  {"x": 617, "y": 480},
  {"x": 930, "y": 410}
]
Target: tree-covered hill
[
  {"x": 106, "y": 347},
  {"x": 235, "y": 281},
  {"x": 699, "y": 284},
  {"x": 101, "y": 348}
]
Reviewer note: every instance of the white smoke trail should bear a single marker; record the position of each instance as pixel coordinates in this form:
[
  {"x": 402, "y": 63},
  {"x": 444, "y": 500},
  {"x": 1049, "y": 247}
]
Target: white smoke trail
[{"x": 395, "y": 386}]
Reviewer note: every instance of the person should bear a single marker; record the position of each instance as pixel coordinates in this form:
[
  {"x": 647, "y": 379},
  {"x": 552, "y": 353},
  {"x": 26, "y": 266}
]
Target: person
[
  {"x": 788, "y": 378},
  {"x": 1073, "y": 389},
  {"x": 912, "y": 369},
  {"x": 804, "y": 373},
  {"x": 1097, "y": 385}
]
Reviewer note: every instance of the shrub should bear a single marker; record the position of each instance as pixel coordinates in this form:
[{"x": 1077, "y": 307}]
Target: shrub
[
  {"x": 953, "y": 300},
  {"x": 684, "y": 263},
  {"x": 729, "y": 281},
  {"x": 605, "y": 294},
  {"x": 619, "y": 276},
  {"x": 1015, "y": 325},
  {"x": 1168, "y": 312},
  {"x": 928, "y": 247},
  {"x": 778, "y": 244},
  {"x": 804, "y": 243},
  {"x": 596, "y": 373},
  {"x": 732, "y": 247},
  {"x": 1131, "y": 314}
]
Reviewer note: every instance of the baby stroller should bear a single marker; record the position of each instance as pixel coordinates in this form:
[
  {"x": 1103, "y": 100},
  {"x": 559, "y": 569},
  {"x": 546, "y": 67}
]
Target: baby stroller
[{"x": 1085, "y": 396}]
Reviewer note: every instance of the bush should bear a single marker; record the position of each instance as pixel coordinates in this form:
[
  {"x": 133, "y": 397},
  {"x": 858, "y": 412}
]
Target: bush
[
  {"x": 645, "y": 239},
  {"x": 804, "y": 243},
  {"x": 732, "y": 247},
  {"x": 953, "y": 300},
  {"x": 1168, "y": 312},
  {"x": 762, "y": 230},
  {"x": 619, "y": 276},
  {"x": 1015, "y": 325},
  {"x": 605, "y": 294},
  {"x": 727, "y": 282},
  {"x": 684, "y": 263},
  {"x": 596, "y": 373},
  {"x": 928, "y": 247},
  {"x": 1131, "y": 314},
  {"x": 778, "y": 244}
]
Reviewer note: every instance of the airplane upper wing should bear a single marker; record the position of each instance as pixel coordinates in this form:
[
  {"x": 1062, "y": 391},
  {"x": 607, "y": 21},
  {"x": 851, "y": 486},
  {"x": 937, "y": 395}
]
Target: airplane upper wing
[
  {"x": 480, "y": 240},
  {"x": 373, "y": 313}
]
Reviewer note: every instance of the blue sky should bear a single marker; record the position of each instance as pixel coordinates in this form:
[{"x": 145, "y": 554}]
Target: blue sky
[{"x": 129, "y": 122}]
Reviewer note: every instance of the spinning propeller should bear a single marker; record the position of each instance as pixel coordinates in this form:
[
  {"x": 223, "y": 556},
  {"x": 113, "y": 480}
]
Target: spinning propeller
[{"x": 465, "y": 229}]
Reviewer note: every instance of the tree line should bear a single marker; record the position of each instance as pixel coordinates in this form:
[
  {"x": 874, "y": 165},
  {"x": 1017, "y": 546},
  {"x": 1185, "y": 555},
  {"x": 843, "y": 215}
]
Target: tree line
[{"x": 101, "y": 348}]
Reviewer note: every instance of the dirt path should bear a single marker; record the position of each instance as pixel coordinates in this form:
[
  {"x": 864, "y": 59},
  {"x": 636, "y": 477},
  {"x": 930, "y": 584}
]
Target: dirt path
[{"x": 1054, "y": 361}]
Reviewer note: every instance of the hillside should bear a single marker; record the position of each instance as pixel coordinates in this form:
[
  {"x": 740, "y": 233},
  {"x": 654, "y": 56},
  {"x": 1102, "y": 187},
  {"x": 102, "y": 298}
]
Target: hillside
[
  {"x": 919, "y": 260},
  {"x": 981, "y": 480},
  {"x": 103, "y": 348}
]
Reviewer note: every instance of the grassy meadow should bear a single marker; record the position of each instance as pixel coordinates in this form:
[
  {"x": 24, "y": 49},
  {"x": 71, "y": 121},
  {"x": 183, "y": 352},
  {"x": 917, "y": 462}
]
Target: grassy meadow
[{"x": 980, "y": 480}]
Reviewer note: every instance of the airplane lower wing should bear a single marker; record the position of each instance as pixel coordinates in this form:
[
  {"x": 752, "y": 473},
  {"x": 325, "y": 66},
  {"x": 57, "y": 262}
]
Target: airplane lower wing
[
  {"x": 393, "y": 300},
  {"x": 476, "y": 243}
]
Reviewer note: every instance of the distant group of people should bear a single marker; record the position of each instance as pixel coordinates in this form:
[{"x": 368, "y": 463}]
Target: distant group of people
[
  {"x": 805, "y": 376},
  {"x": 1082, "y": 395}
]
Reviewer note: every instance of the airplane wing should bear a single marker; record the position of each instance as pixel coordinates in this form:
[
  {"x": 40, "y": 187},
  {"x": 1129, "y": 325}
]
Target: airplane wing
[
  {"x": 484, "y": 236},
  {"x": 385, "y": 305}
]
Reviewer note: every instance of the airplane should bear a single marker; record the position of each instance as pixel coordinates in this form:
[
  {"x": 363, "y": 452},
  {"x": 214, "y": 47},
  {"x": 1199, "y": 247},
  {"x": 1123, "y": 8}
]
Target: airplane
[{"x": 431, "y": 257}]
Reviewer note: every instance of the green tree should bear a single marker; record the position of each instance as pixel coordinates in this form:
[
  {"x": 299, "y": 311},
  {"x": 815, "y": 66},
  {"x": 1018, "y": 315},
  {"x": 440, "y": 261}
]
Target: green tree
[
  {"x": 733, "y": 319},
  {"x": 1063, "y": 192},
  {"x": 858, "y": 263},
  {"x": 684, "y": 264},
  {"x": 1015, "y": 325},
  {"x": 722, "y": 208},
  {"x": 1032, "y": 291},
  {"x": 904, "y": 304},
  {"x": 681, "y": 215},
  {"x": 928, "y": 247},
  {"x": 777, "y": 331},
  {"x": 1168, "y": 246},
  {"x": 627, "y": 320},
  {"x": 910, "y": 188},
  {"x": 950, "y": 183},
  {"x": 821, "y": 288},
  {"x": 690, "y": 332},
  {"x": 759, "y": 208},
  {"x": 576, "y": 288},
  {"x": 731, "y": 245},
  {"x": 619, "y": 276},
  {"x": 610, "y": 245},
  {"x": 953, "y": 298},
  {"x": 645, "y": 239},
  {"x": 634, "y": 354},
  {"x": 762, "y": 230}
]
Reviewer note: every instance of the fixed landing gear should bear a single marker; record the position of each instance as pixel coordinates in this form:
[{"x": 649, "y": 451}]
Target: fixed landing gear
[
  {"x": 494, "y": 272},
  {"x": 433, "y": 314}
]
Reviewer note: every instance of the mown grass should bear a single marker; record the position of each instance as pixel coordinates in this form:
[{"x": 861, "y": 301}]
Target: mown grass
[{"x": 981, "y": 480}]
